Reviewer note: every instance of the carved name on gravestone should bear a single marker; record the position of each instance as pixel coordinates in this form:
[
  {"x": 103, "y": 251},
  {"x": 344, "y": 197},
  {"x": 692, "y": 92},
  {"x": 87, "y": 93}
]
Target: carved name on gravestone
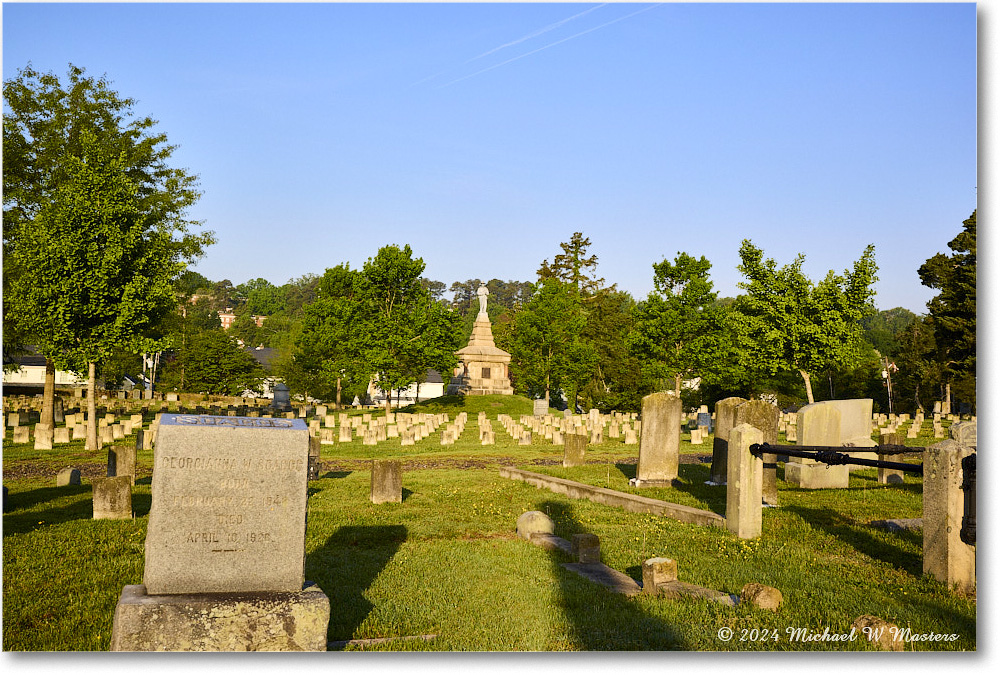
[{"x": 228, "y": 505}]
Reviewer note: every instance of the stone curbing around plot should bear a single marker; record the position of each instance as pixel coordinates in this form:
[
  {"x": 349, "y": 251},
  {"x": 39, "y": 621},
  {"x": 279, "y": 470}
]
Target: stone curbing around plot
[{"x": 629, "y": 502}]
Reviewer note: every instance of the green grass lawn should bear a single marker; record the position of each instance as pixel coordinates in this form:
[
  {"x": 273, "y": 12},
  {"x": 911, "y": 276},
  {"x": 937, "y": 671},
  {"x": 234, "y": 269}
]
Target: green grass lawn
[{"x": 447, "y": 562}]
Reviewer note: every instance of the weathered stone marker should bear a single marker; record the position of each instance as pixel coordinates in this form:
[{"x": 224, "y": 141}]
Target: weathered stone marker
[
  {"x": 540, "y": 407},
  {"x": 946, "y": 557},
  {"x": 387, "y": 481},
  {"x": 886, "y": 476},
  {"x": 765, "y": 417},
  {"x": 225, "y": 548},
  {"x": 113, "y": 498},
  {"x": 68, "y": 476},
  {"x": 818, "y": 424},
  {"x": 725, "y": 419},
  {"x": 575, "y": 450},
  {"x": 660, "y": 442},
  {"x": 744, "y": 483},
  {"x": 121, "y": 461}
]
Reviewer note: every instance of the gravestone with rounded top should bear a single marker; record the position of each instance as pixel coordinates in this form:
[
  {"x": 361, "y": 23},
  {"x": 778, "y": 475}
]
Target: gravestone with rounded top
[{"x": 725, "y": 419}]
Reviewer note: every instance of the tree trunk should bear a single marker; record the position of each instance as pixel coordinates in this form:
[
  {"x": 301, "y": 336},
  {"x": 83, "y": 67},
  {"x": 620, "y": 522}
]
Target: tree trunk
[
  {"x": 49, "y": 395},
  {"x": 677, "y": 384},
  {"x": 809, "y": 388},
  {"x": 546, "y": 389},
  {"x": 388, "y": 402},
  {"x": 152, "y": 378},
  {"x": 336, "y": 405},
  {"x": 947, "y": 396},
  {"x": 91, "y": 443}
]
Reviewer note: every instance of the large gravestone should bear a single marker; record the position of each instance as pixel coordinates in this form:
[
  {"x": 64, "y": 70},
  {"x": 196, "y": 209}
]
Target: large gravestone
[
  {"x": 764, "y": 416},
  {"x": 725, "y": 418},
  {"x": 659, "y": 444},
  {"x": 574, "y": 450},
  {"x": 226, "y": 539},
  {"x": 818, "y": 425}
]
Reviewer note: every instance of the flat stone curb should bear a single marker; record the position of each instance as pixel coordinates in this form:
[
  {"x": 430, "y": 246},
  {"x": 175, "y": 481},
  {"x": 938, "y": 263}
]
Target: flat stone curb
[
  {"x": 550, "y": 542},
  {"x": 599, "y": 573},
  {"x": 629, "y": 502}
]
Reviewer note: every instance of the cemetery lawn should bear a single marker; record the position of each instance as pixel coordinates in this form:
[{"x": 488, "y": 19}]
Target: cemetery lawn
[{"x": 446, "y": 562}]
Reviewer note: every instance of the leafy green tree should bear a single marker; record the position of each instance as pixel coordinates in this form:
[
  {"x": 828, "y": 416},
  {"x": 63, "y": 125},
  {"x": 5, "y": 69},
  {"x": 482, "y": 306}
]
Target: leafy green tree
[
  {"x": 64, "y": 147},
  {"x": 677, "y": 326},
  {"x": 329, "y": 349},
  {"x": 616, "y": 381},
  {"x": 404, "y": 331},
  {"x": 261, "y": 297},
  {"x": 920, "y": 375},
  {"x": 213, "y": 363},
  {"x": 574, "y": 267},
  {"x": 545, "y": 343},
  {"x": 435, "y": 289},
  {"x": 953, "y": 309},
  {"x": 101, "y": 270},
  {"x": 785, "y": 322},
  {"x": 882, "y": 328}
]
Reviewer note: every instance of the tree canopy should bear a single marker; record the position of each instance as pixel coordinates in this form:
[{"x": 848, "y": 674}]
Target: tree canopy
[{"x": 785, "y": 322}]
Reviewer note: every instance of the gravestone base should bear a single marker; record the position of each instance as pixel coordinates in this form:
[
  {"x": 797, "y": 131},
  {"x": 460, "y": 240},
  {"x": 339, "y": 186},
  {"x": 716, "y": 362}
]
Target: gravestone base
[
  {"x": 636, "y": 482},
  {"x": 817, "y": 476},
  {"x": 244, "y": 622}
]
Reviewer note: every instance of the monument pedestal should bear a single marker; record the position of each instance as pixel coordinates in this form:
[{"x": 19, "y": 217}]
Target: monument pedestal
[
  {"x": 215, "y": 622},
  {"x": 484, "y": 367}
]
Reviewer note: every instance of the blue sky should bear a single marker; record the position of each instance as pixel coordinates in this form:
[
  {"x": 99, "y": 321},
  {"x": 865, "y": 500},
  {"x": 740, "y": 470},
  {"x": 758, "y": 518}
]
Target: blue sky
[{"x": 485, "y": 134}]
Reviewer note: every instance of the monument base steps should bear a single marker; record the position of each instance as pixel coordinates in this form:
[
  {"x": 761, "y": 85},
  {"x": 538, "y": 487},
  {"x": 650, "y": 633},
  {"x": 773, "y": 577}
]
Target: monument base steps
[{"x": 245, "y": 622}]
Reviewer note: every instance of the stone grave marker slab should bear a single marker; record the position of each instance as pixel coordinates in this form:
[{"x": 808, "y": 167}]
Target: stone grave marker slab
[{"x": 228, "y": 505}]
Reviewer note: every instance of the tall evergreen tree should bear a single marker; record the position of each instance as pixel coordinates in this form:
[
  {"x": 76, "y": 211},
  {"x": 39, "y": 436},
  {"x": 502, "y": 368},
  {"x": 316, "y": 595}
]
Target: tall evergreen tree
[{"x": 953, "y": 309}]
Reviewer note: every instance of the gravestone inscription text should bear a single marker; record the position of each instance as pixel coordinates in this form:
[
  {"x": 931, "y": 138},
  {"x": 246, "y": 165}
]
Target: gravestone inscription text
[{"x": 228, "y": 505}]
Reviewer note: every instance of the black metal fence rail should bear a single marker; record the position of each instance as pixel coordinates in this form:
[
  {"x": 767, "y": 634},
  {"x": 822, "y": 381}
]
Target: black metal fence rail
[{"x": 837, "y": 455}]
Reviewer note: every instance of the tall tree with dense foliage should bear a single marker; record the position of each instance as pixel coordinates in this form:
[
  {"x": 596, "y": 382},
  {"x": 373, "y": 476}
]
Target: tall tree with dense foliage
[
  {"x": 785, "y": 322},
  {"x": 574, "y": 267},
  {"x": 328, "y": 351},
  {"x": 953, "y": 309},
  {"x": 212, "y": 362},
  {"x": 677, "y": 326},
  {"x": 404, "y": 331},
  {"x": 95, "y": 221},
  {"x": 544, "y": 340}
]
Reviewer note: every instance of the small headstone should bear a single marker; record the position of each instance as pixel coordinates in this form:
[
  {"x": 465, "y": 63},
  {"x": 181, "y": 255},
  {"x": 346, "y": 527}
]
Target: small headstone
[
  {"x": 387, "y": 482},
  {"x": 60, "y": 435},
  {"x": 586, "y": 548},
  {"x": 112, "y": 498},
  {"x": 884, "y": 635},
  {"x": 21, "y": 435},
  {"x": 43, "y": 437},
  {"x": 121, "y": 461},
  {"x": 68, "y": 476},
  {"x": 657, "y": 571},
  {"x": 532, "y": 522},
  {"x": 540, "y": 407},
  {"x": 574, "y": 450}
]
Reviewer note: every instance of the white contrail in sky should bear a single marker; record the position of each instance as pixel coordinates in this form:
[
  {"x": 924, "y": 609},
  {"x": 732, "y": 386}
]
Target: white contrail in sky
[
  {"x": 552, "y": 44},
  {"x": 538, "y": 32}
]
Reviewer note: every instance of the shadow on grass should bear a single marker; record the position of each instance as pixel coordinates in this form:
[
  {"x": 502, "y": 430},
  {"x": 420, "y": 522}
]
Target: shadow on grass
[
  {"x": 864, "y": 538},
  {"x": 692, "y": 479},
  {"x": 600, "y": 619},
  {"x": 346, "y": 565},
  {"x": 336, "y": 474},
  {"x": 21, "y": 523}
]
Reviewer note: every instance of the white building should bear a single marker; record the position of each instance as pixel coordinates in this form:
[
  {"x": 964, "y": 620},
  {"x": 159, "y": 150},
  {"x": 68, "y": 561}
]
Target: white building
[{"x": 431, "y": 388}]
